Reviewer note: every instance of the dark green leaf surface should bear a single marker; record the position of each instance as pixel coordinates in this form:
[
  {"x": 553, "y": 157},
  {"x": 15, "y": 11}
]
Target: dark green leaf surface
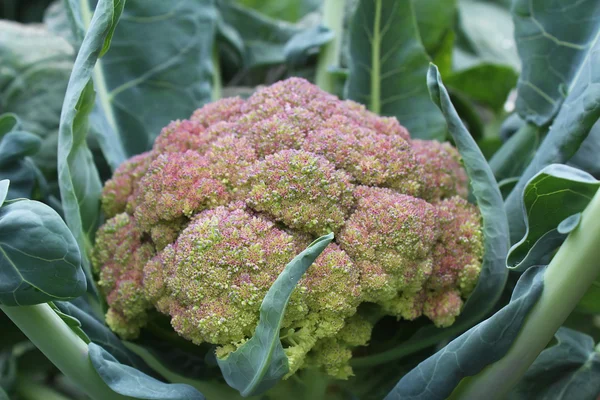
[
  {"x": 586, "y": 157},
  {"x": 260, "y": 40},
  {"x": 100, "y": 334},
  {"x": 578, "y": 113},
  {"x": 493, "y": 274},
  {"x": 3, "y": 395},
  {"x": 551, "y": 197},
  {"x": 515, "y": 154},
  {"x": 388, "y": 66},
  {"x": 260, "y": 363},
  {"x": 437, "y": 377},
  {"x": 78, "y": 178},
  {"x": 435, "y": 19},
  {"x": 128, "y": 381},
  {"x": 487, "y": 84},
  {"x": 142, "y": 87},
  {"x": 568, "y": 370},
  {"x": 8, "y": 122},
  {"x": 15, "y": 164},
  {"x": 39, "y": 258},
  {"x": 556, "y": 42}
]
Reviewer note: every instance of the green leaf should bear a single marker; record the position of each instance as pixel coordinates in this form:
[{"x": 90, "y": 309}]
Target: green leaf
[
  {"x": 586, "y": 157},
  {"x": 260, "y": 363},
  {"x": 290, "y": 11},
  {"x": 516, "y": 153},
  {"x": 438, "y": 376},
  {"x": 486, "y": 35},
  {"x": 388, "y": 66},
  {"x": 435, "y": 20},
  {"x": 39, "y": 258},
  {"x": 551, "y": 197},
  {"x": 486, "y": 83},
  {"x": 568, "y": 370},
  {"x": 78, "y": 178},
  {"x": 578, "y": 113},
  {"x": 493, "y": 272},
  {"x": 259, "y": 40},
  {"x": 4, "y": 185},
  {"x": 8, "y": 122},
  {"x": 557, "y": 43},
  {"x": 3, "y": 395},
  {"x": 72, "y": 323},
  {"x": 128, "y": 381}
]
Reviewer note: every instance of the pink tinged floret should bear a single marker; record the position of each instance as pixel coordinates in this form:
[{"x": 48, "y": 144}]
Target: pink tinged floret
[
  {"x": 223, "y": 110},
  {"x": 229, "y": 159},
  {"x": 302, "y": 190},
  {"x": 442, "y": 307},
  {"x": 290, "y": 93},
  {"x": 443, "y": 173},
  {"x": 459, "y": 251},
  {"x": 393, "y": 231},
  {"x": 120, "y": 191},
  {"x": 119, "y": 256},
  {"x": 383, "y": 125},
  {"x": 177, "y": 185},
  {"x": 371, "y": 158},
  {"x": 180, "y": 136},
  {"x": 221, "y": 265}
]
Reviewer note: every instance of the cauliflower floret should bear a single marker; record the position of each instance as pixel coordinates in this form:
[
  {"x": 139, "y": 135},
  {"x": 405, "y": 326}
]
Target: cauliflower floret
[{"x": 201, "y": 226}]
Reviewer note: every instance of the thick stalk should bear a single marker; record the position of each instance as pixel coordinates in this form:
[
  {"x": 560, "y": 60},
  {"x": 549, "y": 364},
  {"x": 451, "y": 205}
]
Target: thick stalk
[
  {"x": 514, "y": 156},
  {"x": 569, "y": 275},
  {"x": 67, "y": 351},
  {"x": 333, "y": 18}
]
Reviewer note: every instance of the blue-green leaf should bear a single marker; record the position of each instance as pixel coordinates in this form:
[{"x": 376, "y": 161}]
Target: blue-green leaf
[
  {"x": 4, "y": 185},
  {"x": 437, "y": 377},
  {"x": 568, "y": 370},
  {"x": 78, "y": 178},
  {"x": 260, "y": 363},
  {"x": 556, "y": 42},
  {"x": 550, "y": 198},
  {"x": 128, "y": 381},
  {"x": 580, "y": 110},
  {"x": 39, "y": 258},
  {"x": 388, "y": 66}
]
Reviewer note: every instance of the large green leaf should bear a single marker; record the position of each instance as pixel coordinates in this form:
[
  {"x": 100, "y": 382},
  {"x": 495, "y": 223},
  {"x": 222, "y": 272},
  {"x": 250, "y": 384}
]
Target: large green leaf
[
  {"x": 553, "y": 195},
  {"x": 128, "y": 381},
  {"x": 80, "y": 185},
  {"x": 260, "y": 363},
  {"x": 290, "y": 11},
  {"x": 438, "y": 376},
  {"x": 16, "y": 166},
  {"x": 435, "y": 20},
  {"x": 388, "y": 66},
  {"x": 493, "y": 273},
  {"x": 485, "y": 35},
  {"x": 259, "y": 40},
  {"x": 39, "y": 258},
  {"x": 586, "y": 157},
  {"x": 568, "y": 370},
  {"x": 578, "y": 113},
  {"x": 516, "y": 153},
  {"x": 557, "y": 43}
]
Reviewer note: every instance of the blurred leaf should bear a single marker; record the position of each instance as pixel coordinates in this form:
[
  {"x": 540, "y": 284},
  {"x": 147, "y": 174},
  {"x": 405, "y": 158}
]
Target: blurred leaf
[
  {"x": 39, "y": 258},
  {"x": 554, "y": 194},
  {"x": 558, "y": 46},
  {"x": 435, "y": 21},
  {"x": 587, "y": 158},
  {"x": 578, "y": 113},
  {"x": 568, "y": 370},
  {"x": 515, "y": 154},
  {"x": 286, "y": 10},
  {"x": 438, "y": 376},
  {"x": 260, "y": 363},
  {"x": 4, "y": 185},
  {"x": 128, "y": 381},
  {"x": 493, "y": 272},
  {"x": 486, "y": 32},
  {"x": 8, "y": 122},
  {"x": 3, "y": 395},
  {"x": 388, "y": 67},
  {"x": 487, "y": 84},
  {"x": 260, "y": 41},
  {"x": 8, "y": 370}
]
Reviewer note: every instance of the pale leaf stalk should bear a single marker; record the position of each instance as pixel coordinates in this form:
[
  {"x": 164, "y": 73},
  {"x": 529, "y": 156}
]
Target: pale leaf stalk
[
  {"x": 67, "y": 351},
  {"x": 569, "y": 275},
  {"x": 333, "y": 18}
]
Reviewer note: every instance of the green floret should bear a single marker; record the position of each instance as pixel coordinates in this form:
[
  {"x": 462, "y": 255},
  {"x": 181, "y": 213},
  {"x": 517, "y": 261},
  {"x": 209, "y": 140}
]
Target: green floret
[
  {"x": 200, "y": 227},
  {"x": 122, "y": 255}
]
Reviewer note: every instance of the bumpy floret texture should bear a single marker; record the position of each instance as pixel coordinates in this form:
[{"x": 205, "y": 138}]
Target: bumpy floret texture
[{"x": 200, "y": 227}]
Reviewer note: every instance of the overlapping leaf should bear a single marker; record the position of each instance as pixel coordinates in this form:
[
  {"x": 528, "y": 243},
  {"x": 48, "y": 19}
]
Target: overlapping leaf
[{"x": 260, "y": 363}]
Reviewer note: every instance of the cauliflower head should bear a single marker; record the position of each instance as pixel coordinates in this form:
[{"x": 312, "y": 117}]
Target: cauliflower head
[{"x": 200, "y": 227}]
